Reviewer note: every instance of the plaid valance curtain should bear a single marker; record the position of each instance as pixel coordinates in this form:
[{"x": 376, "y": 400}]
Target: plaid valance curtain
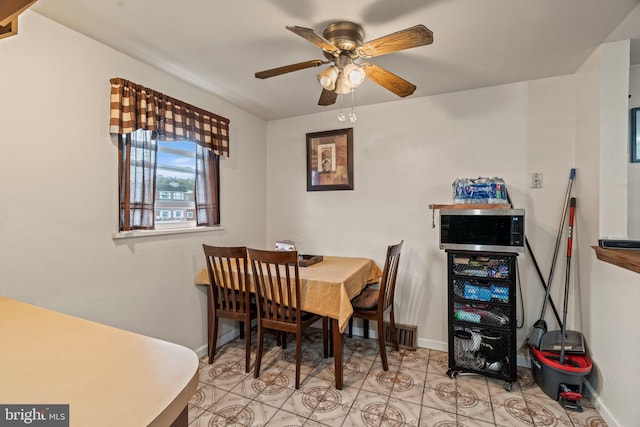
[
  {"x": 141, "y": 117},
  {"x": 137, "y": 107}
]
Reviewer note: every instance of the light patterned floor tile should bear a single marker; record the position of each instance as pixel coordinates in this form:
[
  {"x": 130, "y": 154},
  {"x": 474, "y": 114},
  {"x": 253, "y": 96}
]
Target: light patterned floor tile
[
  {"x": 471, "y": 422},
  {"x": 416, "y": 360},
  {"x": 477, "y": 384},
  {"x": 379, "y": 381},
  {"x": 546, "y": 413},
  {"x": 438, "y": 363},
  {"x": 344, "y": 397},
  {"x": 207, "y": 419},
  {"x": 306, "y": 380},
  {"x": 354, "y": 371},
  {"x": 206, "y": 395},
  {"x": 229, "y": 405},
  {"x": 303, "y": 402},
  {"x": 433, "y": 380},
  {"x": 283, "y": 418},
  {"x": 401, "y": 410},
  {"x": 366, "y": 398},
  {"x": 356, "y": 418},
  {"x": 329, "y": 413},
  {"x": 383, "y": 414},
  {"x": 589, "y": 417},
  {"x": 414, "y": 392},
  {"x": 418, "y": 376},
  {"x": 394, "y": 358},
  {"x": 514, "y": 413},
  {"x": 249, "y": 387},
  {"x": 194, "y": 412},
  {"x": 367, "y": 349},
  {"x": 274, "y": 389},
  {"x": 442, "y": 398},
  {"x": 408, "y": 391},
  {"x": 469, "y": 404},
  {"x": 261, "y": 413},
  {"x": 431, "y": 417}
]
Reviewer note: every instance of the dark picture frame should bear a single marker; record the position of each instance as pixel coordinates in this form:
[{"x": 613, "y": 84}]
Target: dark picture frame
[
  {"x": 634, "y": 136},
  {"x": 330, "y": 160}
]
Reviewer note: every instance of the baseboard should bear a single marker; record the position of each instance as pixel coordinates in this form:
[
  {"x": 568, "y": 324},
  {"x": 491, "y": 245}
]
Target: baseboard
[
  {"x": 222, "y": 340},
  {"x": 432, "y": 344},
  {"x": 600, "y": 407}
]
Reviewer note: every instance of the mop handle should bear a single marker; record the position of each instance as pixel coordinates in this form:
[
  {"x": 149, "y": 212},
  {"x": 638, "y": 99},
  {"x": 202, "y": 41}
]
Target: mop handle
[
  {"x": 565, "y": 207},
  {"x": 572, "y": 211}
]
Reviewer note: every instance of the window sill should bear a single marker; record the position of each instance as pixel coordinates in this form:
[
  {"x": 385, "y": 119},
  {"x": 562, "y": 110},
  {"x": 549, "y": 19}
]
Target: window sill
[
  {"x": 165, "y": 232},
  {"x": 628, "y": 259}
]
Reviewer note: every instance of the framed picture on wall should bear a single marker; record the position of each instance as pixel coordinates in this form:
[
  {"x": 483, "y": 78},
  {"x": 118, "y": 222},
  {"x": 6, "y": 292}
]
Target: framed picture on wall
[
  {"x": 635, "y": 135},
  {"x": 330, "y": 160}
]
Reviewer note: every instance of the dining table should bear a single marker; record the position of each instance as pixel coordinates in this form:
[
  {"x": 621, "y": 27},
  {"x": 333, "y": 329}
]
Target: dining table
[
  {"x": 68, "y": 371},
  {"x": 327, "y": 289}
]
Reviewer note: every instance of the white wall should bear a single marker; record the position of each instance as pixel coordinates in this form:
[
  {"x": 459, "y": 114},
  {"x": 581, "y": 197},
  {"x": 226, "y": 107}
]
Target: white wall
[
  {"x": 608, "y": 295},
  {"x": 59, "y": 194},
  {"x": 406, "y": 156}
]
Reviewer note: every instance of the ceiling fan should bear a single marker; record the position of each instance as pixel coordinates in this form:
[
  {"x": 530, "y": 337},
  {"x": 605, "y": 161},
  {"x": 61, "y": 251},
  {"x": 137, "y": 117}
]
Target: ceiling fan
[{"x": 342, "y": 45}]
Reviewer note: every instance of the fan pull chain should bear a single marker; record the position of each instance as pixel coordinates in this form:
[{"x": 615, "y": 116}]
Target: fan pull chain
[
  {"x": 353, "y": 117},
  {"x": 341, "y": 116}
]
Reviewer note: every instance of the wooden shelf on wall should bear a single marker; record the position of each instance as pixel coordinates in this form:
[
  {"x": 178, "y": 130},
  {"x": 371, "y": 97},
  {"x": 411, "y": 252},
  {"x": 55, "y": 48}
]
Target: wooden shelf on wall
[
  {"x": 435, "y": 206},
  {"x": 471, "y": 206},
  {"x": 628, "y": 259}
]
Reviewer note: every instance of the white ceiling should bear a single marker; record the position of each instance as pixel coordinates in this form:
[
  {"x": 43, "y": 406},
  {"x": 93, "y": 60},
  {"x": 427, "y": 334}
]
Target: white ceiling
[{"x": 219, "y": 45}]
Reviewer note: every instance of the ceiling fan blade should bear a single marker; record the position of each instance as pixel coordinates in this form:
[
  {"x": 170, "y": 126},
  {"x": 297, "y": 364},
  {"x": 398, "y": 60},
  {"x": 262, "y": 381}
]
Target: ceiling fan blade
[
  {"x": 415, "y": 36},
  {"x": 327, "y": 97},
  {"x": 388, "y": 80},
  {"x": 289, "y": 68},
  {"x": 315, "y": 38}
]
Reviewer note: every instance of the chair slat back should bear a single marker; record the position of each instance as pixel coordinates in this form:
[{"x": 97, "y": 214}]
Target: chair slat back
[
  {"x": 277, "y": 283},
  {"x": 228, "y": 275},
  {"x": 388, "y": 281}
]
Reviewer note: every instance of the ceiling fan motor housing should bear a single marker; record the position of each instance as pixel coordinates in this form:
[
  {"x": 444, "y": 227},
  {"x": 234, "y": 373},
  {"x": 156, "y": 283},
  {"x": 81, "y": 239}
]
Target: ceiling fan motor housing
[{"x": 346, "y": 36}]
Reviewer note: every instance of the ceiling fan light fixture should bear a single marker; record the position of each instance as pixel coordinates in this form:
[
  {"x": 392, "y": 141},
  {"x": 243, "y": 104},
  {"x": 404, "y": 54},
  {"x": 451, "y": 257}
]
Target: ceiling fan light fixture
[
  {"x": 342, "y": 84},
  {"x": 355, "y": 75},
  {"x": 328, "y": 77}
]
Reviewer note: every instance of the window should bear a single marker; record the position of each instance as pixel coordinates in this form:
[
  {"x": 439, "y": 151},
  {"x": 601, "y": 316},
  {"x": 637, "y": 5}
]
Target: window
[
  {"x": 144, "y": 120},
  {"x": 172, "y": 168},
  {"x": 176, "y": 178}
]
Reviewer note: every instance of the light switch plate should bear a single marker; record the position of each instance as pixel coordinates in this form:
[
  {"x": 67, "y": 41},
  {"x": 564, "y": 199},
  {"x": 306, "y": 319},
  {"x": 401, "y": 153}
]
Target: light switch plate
[{"x": 536, "y": 180}]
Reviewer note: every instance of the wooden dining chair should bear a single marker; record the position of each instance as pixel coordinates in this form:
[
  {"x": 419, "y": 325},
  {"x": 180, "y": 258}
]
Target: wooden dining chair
[
  {"x": 229, "y": 295},
  {"x": 373, "y": 302},
  {"x": 277, "y": 284}
]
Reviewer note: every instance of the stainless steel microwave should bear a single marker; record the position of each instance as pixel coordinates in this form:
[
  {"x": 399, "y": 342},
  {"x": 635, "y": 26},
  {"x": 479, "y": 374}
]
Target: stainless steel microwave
[{"x": 491, "y": 230}]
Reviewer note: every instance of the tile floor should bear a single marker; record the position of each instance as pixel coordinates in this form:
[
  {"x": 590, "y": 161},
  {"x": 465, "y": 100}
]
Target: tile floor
[{"x": 414, "y": 392}]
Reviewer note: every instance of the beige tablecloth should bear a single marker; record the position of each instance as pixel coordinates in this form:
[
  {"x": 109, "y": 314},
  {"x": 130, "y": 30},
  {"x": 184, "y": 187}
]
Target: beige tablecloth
[{"x": 329, "y": 286}]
